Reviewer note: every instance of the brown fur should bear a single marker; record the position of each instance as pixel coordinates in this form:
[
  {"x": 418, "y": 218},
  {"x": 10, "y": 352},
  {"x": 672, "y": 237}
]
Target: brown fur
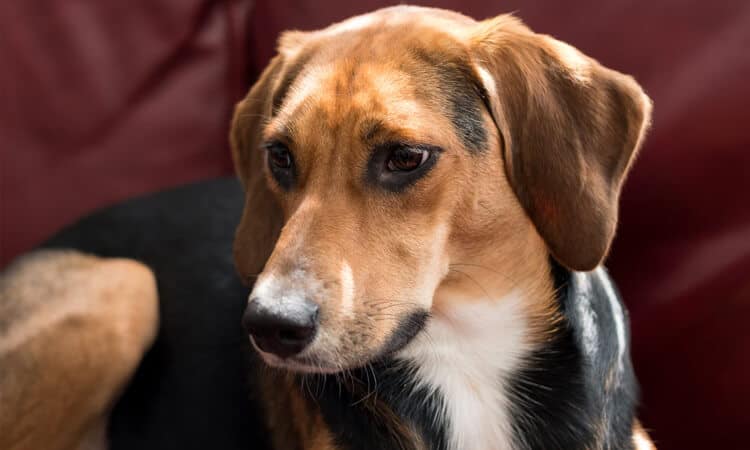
[
  {"x": 561, "y": 133},
  {"x": 282, "y": 400},
  {"x": 569, "y": 138},
  {"x": 73, "y": 328}
]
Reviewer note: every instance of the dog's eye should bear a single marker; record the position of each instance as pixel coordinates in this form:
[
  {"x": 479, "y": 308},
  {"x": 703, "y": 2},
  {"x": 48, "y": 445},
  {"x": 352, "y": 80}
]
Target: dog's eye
[
  {"x": 406, "y": 159},
  {"x": 396, "y": 166},
  {"x": 281, "y": 164},
  {"x": 279, "y": 156}
]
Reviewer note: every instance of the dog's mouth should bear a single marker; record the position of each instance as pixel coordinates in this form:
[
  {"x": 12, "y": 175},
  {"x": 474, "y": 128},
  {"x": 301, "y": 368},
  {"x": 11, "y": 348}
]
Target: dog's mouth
[
  {"x": 320, "y": 360},
  {"x": 301, "y": 364}
]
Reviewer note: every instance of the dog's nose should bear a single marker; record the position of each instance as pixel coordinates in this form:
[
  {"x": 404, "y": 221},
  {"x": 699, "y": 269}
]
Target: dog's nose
[{"x": 282, "y": 329}]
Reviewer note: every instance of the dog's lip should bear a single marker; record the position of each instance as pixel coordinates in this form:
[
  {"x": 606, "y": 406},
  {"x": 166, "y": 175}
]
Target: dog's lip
[
  {"x": 305, "y": 367},
  {"x": 301, "y": 364}
]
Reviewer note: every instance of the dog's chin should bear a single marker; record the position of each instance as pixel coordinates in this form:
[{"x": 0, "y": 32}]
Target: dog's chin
[{"x": 299, "y": 364}]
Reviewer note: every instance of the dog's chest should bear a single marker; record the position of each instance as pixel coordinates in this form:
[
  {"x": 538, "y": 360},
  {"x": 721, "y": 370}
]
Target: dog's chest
[{"x": 465, "y": 357}]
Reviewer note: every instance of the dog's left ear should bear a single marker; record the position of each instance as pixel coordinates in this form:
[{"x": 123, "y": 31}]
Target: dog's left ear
[{"x": 570, "y": 129}]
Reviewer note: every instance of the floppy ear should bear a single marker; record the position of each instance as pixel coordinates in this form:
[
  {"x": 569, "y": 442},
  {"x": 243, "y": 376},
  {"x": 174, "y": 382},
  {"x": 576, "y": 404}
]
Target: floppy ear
[
  {"x": 570, "y": 129},
  {"x": 261, "y": 218}
]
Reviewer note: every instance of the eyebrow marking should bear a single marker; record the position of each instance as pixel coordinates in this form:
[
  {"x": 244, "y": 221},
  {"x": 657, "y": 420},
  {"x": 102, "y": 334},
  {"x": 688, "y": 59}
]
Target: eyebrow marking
[
  {"x": 371, "y": 129},
  {"x": 465, "y": 103}
]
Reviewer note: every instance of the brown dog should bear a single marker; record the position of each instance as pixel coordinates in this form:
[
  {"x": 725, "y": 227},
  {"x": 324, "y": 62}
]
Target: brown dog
[{"x": 409, "y": 175}]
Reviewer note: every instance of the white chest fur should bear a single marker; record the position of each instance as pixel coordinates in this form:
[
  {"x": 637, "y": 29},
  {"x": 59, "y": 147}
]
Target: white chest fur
[{"x": 467, "y": 354}]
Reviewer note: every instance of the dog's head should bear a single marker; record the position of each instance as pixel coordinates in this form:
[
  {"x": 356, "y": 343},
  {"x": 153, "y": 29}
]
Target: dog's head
[{"x": 399, "y": 161}]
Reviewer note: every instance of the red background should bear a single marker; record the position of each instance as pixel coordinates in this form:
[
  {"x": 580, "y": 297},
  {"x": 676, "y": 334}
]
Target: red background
[{"x": 105, "y": 100}]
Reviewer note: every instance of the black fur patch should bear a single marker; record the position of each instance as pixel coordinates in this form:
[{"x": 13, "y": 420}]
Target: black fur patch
[
  {"x": 566, "y": 398},
  {"x": 407, "y": 329},
  {"x": 458, "y": 84}
]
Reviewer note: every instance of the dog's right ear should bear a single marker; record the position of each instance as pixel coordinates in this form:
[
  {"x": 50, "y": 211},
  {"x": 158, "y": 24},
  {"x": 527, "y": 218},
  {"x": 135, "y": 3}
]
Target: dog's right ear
[{"x": 261, "y": 219}]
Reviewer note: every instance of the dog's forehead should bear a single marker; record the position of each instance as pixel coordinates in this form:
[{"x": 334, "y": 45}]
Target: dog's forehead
[
  {"x": 391, "y": 70},
  {"x": 404, "y": 16}
]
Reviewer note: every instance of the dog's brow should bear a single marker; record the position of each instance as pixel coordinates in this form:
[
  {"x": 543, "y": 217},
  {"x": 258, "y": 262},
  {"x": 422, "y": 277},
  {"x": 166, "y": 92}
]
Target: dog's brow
[
  {"x": 371, "y": 129},
  {"x": 465, "y": 102},
  {"x": 280, "y": 133},
  {"x": 376, "y": 132}
]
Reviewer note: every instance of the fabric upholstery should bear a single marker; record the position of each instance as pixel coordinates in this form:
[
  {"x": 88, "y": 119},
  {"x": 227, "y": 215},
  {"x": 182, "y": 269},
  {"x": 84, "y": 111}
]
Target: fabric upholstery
[{"x": 104, "y": 100}]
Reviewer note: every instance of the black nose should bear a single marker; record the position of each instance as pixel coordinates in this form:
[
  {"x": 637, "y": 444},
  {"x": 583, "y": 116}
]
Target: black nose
[{"x": 282, "y": 329}]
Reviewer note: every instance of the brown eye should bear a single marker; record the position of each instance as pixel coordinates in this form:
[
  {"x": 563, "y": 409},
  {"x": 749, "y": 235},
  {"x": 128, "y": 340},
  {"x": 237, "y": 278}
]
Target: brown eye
[
  {"x": 406, "y": 159},
  {"x": 281, "y": 164},
  {"x": 279, "y": 156}
]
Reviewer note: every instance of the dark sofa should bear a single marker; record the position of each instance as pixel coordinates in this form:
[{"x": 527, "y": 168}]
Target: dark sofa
[{"x": 105, "y": 100}]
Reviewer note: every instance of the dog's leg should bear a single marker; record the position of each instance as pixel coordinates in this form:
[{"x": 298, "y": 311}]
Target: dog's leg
[{"x": 73, "y": 328}]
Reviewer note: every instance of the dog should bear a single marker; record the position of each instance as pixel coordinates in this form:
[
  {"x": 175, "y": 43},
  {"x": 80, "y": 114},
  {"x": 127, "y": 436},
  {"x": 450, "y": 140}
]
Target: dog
[
  {"x": 428, "y": 200},
  {"x": 440, "y": 194}
]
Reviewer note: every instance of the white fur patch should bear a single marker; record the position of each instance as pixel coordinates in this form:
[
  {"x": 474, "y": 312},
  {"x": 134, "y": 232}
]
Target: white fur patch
[
  {"x": 618, "y": 316},
  {"x": 587, "y": 314},
  {"x": 276, "y": 293},
  {"x": 466, "y": 354},
  {"x": 487, "y": 81}
]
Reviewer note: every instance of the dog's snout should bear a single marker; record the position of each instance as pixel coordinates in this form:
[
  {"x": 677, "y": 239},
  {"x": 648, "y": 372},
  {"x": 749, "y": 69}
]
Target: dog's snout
[{"x": 282, "y": 329}]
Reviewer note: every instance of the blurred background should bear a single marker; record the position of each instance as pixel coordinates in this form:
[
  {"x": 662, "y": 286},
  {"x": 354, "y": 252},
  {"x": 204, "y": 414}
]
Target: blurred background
[{"x": 101, "y": 101}]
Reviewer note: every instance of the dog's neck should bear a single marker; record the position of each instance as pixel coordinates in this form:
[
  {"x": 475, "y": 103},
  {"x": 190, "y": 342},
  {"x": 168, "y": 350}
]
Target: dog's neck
[
  {"x": 474, "y": 379},
  {"x": 488, "y": 320},
  {"x": 465, "y": 356},
  {"x": 487, "y": 323}
]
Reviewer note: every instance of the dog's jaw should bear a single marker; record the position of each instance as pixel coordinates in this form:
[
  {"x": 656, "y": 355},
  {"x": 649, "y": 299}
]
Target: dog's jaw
[{"x": 465, "y": 355}]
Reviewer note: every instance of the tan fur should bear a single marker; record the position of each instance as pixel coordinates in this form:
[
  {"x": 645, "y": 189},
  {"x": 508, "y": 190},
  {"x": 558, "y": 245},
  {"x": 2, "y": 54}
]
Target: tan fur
[
  {"x": 283, "y": 401},
  {"x": 73, "y": 328}
]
